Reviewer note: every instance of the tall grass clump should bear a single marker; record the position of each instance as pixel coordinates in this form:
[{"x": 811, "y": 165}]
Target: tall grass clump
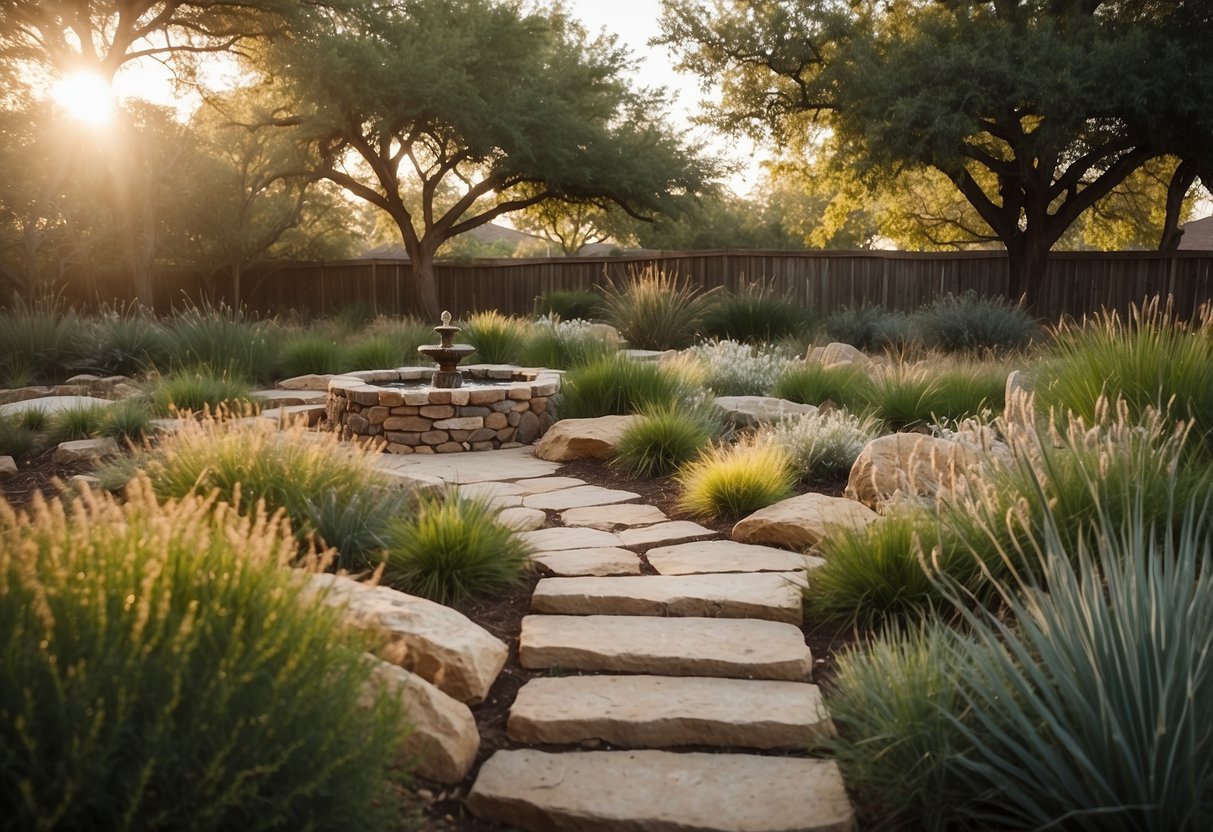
[
  {"x": 869, "y": 328},
  {"x": 127, "y": 341},
  {"x": 197, "y": 391},
  {"x": 824, "y": 445},
  {"x": 498, "y": 339},
  {"x": 224, "y": 339},
  {"x": 1084, "y": 702},
  {"x": 1150, "y": 361},
  {"x": 565, "y": 345},
  {"x": 731, "y": 368},
  {"x": 452, "y": 549},
  {"x": 754, "y": 315},
  {"x": 618, "y": 385},
  {"x": 906, "y": 397},
  {"x": 666, "y": 437},
  {"x": 327, "y": 488},
  {"x": 311, "y": 351},
  {"x": 807, "y": 382},
  {"x": 75, "y": 423},
  {"x": 654, "y": 310},
  {"x": 730, "y": 481},
  {"x": 388, "y": 343},
  {"x": 956, "y": 323},
  {"x": 39, "y": 341},
  {"x": 163, "y": 669},
  {"x": 16, "y": 440},
  {"x": 570, "y": 305},
  {"x": 129, "y": 420}
]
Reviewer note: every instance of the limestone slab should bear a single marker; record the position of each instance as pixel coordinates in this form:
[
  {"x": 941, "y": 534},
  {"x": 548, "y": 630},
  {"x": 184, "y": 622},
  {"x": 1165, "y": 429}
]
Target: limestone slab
[
  {"x": 488, "y": 490},
  {"x": 288, "y": 398},
  {"x": 773, "y": 596},
  {"x": 660, "y": 791},
  {"x": 505, "y": 464},
  {"x": 669, "y": 711},
  {"x": 751, "y": 411},
  {"x": 437, "y": 643},
  {"x": 596, "y": 438},
  {"x": 521, "y": 519},
  {"x": 557, "y": 539},
  {"x": 734, "y": 648},
  {"x": 726, "y": 556},
  {"x": 801, "y": 522},
  {"x": 8, "y": 467},
  {"x": 673, "y": 531},
  {"x": 539, "y": 485},
  {"x": 53, "y": 404},
  {"x": 443, "y": 739},
  {"x": 612, "y": 517},
  {"x": 578, "y": 497},
  {"x": 609, "y": 560},
  {"x": 85, "y": 451}
]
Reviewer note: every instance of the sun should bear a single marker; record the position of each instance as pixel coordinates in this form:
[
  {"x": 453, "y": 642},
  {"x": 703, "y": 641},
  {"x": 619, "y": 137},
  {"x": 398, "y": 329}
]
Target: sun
[{"x": 86, "y": 96}]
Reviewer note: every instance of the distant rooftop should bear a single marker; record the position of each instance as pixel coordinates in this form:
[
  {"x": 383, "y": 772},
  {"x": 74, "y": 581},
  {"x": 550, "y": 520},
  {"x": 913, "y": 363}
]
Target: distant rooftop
[{"x": 1198, "y": 235}]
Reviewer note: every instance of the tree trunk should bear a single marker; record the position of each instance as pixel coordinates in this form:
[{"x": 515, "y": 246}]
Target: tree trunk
[
  {"x": 236, "y": 272},
  {"x": 1181, "y": 181},
  {"x": 424, "y": 285},
  {"x": 1027, "y": 259}
]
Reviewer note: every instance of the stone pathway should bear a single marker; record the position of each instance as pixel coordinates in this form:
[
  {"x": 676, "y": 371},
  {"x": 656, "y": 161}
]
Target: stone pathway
[{"x": 705, "y": 654}]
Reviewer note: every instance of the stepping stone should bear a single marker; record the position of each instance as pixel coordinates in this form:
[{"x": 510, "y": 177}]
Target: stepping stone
[
  {"x": 539, "y": 485},
  {"x": 489, "y": 490},
  {"x": 582, "y": 495},
  {"x": 773, "y": 596},
  {"x": 801, "y": 522},
  {"x": 522, "y": 519},
  {"x": 558, "y": 540},
  {"x": 609, "y": 560},
  {"x": 610, "y": 518},
  {"x": 736, "y": 648},
  {"x": 671, "y": 532},
  {"x": 661, "y": 791},
  {"x": 506, "y": 464},
  {"x": 669, "y": 711},
  {"x": 726, "y": 556}
]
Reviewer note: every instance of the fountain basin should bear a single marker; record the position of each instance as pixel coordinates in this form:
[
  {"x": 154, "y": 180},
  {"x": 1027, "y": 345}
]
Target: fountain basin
[{"x": 498, "y": 406}]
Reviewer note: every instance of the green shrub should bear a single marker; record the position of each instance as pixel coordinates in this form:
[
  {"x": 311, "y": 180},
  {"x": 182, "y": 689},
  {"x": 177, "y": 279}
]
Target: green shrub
[
  {"x": 39, "y": 341},
  {"x": 353, "y": 317},
  {"x": 16, "y": 440},
  {"x": 224, "y": 339},
  {"x": 199, "y": 391},
  {"x": 34, "y": 418},
  {"x": 1083, "y": 703},
  {"x": 870, "y": 328},
  {"x": 808, "y": 382},
  {"x": 390, "y": 343},
  {"x": 564, "y": 345},
  {"x": 327, "y": 488},
  {"x": 730, "y": 481},
  {"x": 665, "y": 438},
  {"x": 129, "y": 420},
  {"x": 619, "y": 385},
  {"x": 823, "y": 445},
  {"x": 730, "y": 368},
  {"x": 656, "y": 311},
  {"x": 1150, "y": 362},
  {"x": 927, "y": 394},
  {"x": 309, "y": 352},
  {"x": 452, "y": 549},
  {"x": 163, "y": 670},
  {"x": 970, "y": 322},
  {"x": 75, "y": 423},
  {"x": 754, "y": 315},
  {"x": 570, "y": 305},
  {"x": 498, "y": 339},
  {"x": 127, "y": 342}
]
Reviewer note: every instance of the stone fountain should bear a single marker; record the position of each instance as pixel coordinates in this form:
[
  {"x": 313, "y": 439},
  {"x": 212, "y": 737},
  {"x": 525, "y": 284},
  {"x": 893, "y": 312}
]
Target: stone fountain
[{"x": 446, "y": 355}]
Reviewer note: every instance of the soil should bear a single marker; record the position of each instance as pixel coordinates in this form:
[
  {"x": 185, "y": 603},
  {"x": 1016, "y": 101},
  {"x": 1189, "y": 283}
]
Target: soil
[{"x": 440, "y": 807}]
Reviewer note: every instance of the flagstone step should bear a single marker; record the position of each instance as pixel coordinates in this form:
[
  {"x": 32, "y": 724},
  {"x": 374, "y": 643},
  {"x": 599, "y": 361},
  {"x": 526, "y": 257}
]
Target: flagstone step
[
  {"x": 774, "y": 596},
  {"x": 672, "y": 532},
  {"x": 726, "y": 556},
  {"x": 660, "y": 791},
  {"x": 579, "y": 496},
  {"x": 558, "y": 539},
  {"x": 735, "y": 648},
  {"x": 669, "y": 711},
  {"x": 607, "y": 560},
  {"x": 613, "y": 517}
]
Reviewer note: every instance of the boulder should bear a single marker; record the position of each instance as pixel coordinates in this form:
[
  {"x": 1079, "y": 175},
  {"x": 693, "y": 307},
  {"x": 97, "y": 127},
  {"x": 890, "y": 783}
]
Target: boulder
[
  {"x": 911, "y": 465},
  {"x": 437, "y": 643},
  {"x": 443, "y": 740},
  {"x": 8, "y": 467},
  {"x": 85, "y": 451},
  {"x": 834, "y": 353},
  {"x": 751, "y": 411},
  {"x": 22, "y": 394},
  {"x": 801, "y": 522},
  {"x": 605, "y": 332},
  {"x": 571, "y": 439}
]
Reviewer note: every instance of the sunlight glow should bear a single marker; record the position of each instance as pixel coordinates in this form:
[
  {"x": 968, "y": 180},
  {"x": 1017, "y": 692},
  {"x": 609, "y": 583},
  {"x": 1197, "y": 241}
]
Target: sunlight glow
[{"x": 86, "y": 96}]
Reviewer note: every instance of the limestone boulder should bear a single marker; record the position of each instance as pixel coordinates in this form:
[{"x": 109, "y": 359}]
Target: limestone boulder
[
  {"x": 801, "y": 522},
  {"x": 912, "y": 465},
  {"x": 437, "y": 643},
  {"x": 22, "y": 394},
  {"x": 443, "y": 739},
  {"x": 85, "y": 451},
  {"x": 8, "y": 467},
  {"x": 571, "y": 439},
  {"x": 751, "y": 411},
  {"x": 834, "y": 353}
]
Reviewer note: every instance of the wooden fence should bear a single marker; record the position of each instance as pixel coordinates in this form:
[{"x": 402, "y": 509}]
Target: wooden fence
[{"x": 1076, "y": 283}]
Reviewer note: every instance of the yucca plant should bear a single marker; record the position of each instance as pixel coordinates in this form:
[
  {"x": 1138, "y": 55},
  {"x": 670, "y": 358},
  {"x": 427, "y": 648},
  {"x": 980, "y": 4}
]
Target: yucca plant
[
  {"x": 666, "y": 437},
  {"x": 164, "y": 669},
  {"x": 730, "y": 481},
  {"x": 498, "y": 339},
  {"x": 654, "y": 310},
  {"x": 452, "y": 549}
]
